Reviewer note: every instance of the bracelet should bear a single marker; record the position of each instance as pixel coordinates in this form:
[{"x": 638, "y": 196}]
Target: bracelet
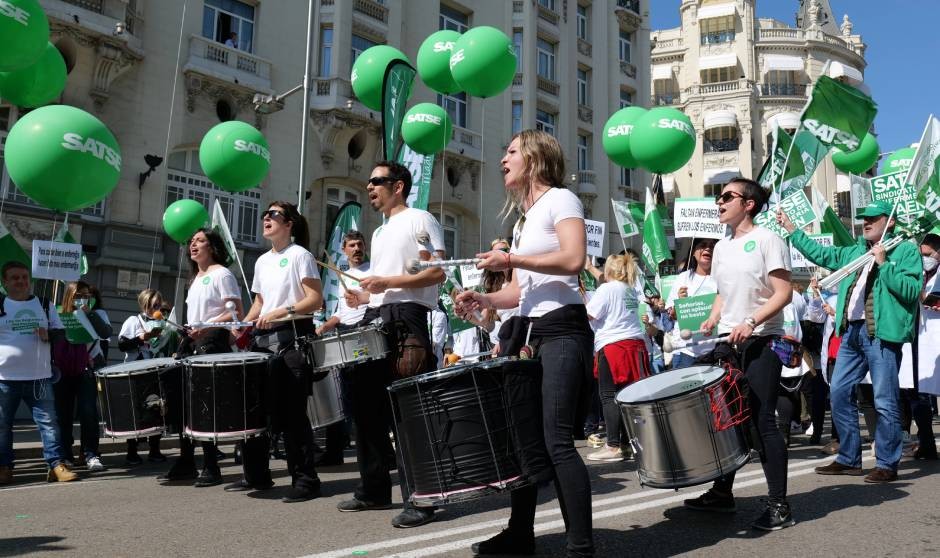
[
  {"x": 508, "y": 260},
  {"x": 751, "y": 322}
]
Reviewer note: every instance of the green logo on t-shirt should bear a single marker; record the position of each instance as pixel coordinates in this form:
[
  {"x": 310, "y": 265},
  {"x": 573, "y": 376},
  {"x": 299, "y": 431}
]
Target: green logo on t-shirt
[
  {"x": 206, "y": 280},
  {"x": 749, "y": 246},
  {"x": 283, "y": 262}
]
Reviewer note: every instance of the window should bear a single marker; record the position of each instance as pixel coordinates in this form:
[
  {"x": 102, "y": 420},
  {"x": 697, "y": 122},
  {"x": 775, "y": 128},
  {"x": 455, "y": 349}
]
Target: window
[
  {"x": 326, "y": 51},
  {"x": 517, "y": 46},
  {"x": 545, "y": 121},
  {"x": 713, "y": 190},
  {"x": 623, "y": 44},
  {"x": 336, "y": 197},
  {"x": 516, "y": 117},
  {"x": 185, "y": 180},
  {"x": 221, "y": 18},
  {"x": 717, "y": 30},
  {"x": 665, "y": 92},
  {"x": 456, "y": 107},
  {"x": 584, "y": 92},
  {"x": 584, "y": 152},
  {"x": 626, "y": 98},
  {"x": 718, "y": 140},
  {"x": 719, "y": 75},
  {"x": 626, "y": 177},
  {"x": 360, "y": 45},
  {"x": 453, "y": 20},
  {"x": 581, "y": 22},
  {"x": 546, "y": 62},
  {"x": 450, "y": 225},
  {"x": 781, "y": 82},
  {"x": 550, "y": 4}
]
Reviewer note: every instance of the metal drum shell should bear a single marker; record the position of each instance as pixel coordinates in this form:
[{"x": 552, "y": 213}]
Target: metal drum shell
[
  {"x": 325, "y": 404},
  {"x": 346, "y": 348}
]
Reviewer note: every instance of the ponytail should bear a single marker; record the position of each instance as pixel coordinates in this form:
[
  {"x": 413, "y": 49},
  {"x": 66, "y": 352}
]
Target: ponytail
[{"x": 300, "y": 231}]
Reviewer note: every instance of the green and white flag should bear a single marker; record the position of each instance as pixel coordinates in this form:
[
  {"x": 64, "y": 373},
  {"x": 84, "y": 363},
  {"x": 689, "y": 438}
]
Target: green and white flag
[
  {"x": 777, "y": 167},
  {"x": 65, "y": 236},
  {"x": 837, "y": 114},
  {"x": 347, "y": 219},
  {"x": 655, "y": 244},
  {"x": 924, "y": 167},
  {"x": 220, "y": 225},
  {"x": 805, "y": 153},
  {"x": 626, "y": 223},
  {"x": 860, "y": 191},
  {"x": 829, "y": 222}
]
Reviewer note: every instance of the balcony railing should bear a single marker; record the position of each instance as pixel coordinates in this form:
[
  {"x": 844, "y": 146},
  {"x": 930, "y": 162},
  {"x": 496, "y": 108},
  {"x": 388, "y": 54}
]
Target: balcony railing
[
  {"x": 667, "y": 44},
  {"x": 720, "y": 146},
  {"x": 628, "y": 69},
  {"x": 229, "y": 63},
  {"x": 632, "y": 5},
  {"x": 587, "y": 177},
  {"x": 781, "y": 33},
  {"x": 720, "y": 87},
  {"x": 372, "y": 9},
  {"x": 585, "y": 114},
  {"x": 783, "y": 89},
  {"x": 717, "y": 38},
  {"x": 466, "y": 142},
  {"x": 548, "y": 86},
  {"x": 665, "y": 99}
]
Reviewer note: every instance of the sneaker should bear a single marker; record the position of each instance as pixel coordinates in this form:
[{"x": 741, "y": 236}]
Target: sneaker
[
  {"x": 596, "y": 440},
  {"x": 809, "y": 430},
  {"x": 94, "y": 464},
  {"x": 6, "y": 475},
  {"x": 607, "y": 455},
  {"x": 832, "y": 447},
  {"x": 712, "y": 501},
  {"x": 357, "y": 505},
  {"x": 181, "y": 470},
  {"x": 926, "y": 453},
  {"x": 795, "y": 427},
  {"x": 413, "y": 517},
  {"x": 133, "y": 459},
  {"x": 61, "y": 473},
  {"x": 836, "y": 468},
  {"x": 301, "y": 494},
  {"x": 506, "y": 542},
  {"x": 776, "y": 516},
  {"x": 243, "y": 486},
  {"x": 879, "y": 476},
  {"x": 208, "y": 478}
]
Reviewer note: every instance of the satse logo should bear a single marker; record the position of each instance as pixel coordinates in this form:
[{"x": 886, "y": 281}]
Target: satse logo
[
  {"x": 667, "y": 123},
  {"x": 443, "y": 46},
  {"x": 620, "y": 130},
  {"x": 828, "y": 134},
  {"x": 456, "y": 58},
  {"x": 420, "y": 117},
  {"x": 251, "y": 147},
  {"x": 100, "y": 150},
  {"x": 18, "y": 14}
]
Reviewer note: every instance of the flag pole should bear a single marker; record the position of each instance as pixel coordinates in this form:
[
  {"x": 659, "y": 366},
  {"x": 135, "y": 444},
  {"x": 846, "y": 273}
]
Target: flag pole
[{"x": 786, "y": 162}]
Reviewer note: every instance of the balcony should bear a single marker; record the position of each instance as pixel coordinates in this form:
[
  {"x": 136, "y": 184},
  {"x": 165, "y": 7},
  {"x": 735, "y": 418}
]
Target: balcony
[
  {"x": 585, "y": 114},
  {"x": 720, "y": 87},
  {"x": 781, "y": 33},
  {"x": 717, "y": 38},
  {"x": 720, "y": 146},
  {"x": 371, "y": 9},
  {"x": 661, "y": 46},
  {"x": 228, "y": 64},
  {"x": 466, "y": 142},
  {"x": 548, "y": 86},
  {"x": 782, "y": 90},
  {"x": 628, "y": 14},
  {"x": 330, "y": 93},
  {"x": 630, "y": 5},
  {"x": 584, "y": 48},
  {"x": 99, "y": 18},
  {"x": 549, "y": 15},
  {"x": 628, "y": 69},
  {"x": 665, "y": 99}
]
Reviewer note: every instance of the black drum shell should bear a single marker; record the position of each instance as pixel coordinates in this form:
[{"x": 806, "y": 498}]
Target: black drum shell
[
  {"x": 131, "y": 403},
  {"x": 224, "y": 398}
]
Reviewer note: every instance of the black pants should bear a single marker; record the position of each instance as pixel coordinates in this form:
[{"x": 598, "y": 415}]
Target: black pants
[
  {"x": 607, "y": 389},
  {"x": 865, "y": 394},
  {"x": 77, "y": 393},
  {"x": 210, "y": 458},
  {"x": 292, "y": 381},
  {"x": 916, "y": 408},
  {"x": 761, "y": 367},
  {"x": 817, "y": 407}
]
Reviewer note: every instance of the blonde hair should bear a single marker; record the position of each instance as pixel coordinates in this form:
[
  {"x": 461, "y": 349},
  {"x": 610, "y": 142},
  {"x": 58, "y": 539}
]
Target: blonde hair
[
  {"x": 146, "y": 299},
  {"x": 544, "y": 163},
  {"x": 68, "y": 299},
  {"x": 621, "y": 268},
  {"x": 499, "y": 240}
]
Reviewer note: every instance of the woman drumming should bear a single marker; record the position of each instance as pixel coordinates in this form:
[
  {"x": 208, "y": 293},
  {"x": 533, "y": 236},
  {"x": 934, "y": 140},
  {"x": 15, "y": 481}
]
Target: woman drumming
[{"x": 547, "y": 253}]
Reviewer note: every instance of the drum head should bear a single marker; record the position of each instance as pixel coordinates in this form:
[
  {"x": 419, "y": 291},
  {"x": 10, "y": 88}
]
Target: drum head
[
  {"x": 449, "y": 372},
  {"x": 137, "y": 366},
  {"x": 670, "y": 384},
  {"x": 228, "y": 358}
]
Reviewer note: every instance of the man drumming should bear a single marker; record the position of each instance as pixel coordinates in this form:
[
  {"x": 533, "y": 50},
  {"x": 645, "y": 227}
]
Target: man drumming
[{"x": 402, "y": 301}]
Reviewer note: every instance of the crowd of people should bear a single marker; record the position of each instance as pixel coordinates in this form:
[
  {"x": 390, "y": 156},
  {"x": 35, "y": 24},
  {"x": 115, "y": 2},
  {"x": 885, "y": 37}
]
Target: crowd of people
[{"x": 800, "y": 349}]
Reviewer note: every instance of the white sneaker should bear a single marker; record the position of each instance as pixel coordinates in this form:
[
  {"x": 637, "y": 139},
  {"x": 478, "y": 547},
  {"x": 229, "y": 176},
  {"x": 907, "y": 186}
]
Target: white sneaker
[
  {"x": 809, "y": 431},
  {"x": 606, "y": 454},
  {"x": 596, "y": 440},
  {"x": 95, "y": 464}
]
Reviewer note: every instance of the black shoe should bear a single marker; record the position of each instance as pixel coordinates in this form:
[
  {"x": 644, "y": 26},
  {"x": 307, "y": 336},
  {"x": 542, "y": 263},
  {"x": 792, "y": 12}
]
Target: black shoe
[
  {"x": 327, "y": 460},
  {"x": 357, "y": 505},
  {"x": 413, "y": 517},
  {"x": 301, "y": 494},
  {"x": 777, "y": 516},
  {"x": 133, "y": 459},
  {"x": 219, "y": 454},
  {"x": 926, "y": 453},
  {"x": 711, "y": 501},
  {"x": 178, "y": 472},
  {"x": 156, "y": 457},
  {"x": 506, "y": 542},
  {"x": 243, "y": 486},
  {"x": 208, "y": 478}
]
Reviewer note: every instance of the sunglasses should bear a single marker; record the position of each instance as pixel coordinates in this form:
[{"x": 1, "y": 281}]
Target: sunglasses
[
  {"x": 727, "y": 197},
  {"x": 379, "y": 180},
  {"x": 273, "y": 214}
]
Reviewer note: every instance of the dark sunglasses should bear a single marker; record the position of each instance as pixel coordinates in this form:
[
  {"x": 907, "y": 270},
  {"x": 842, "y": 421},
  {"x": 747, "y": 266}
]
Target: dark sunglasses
[
  {"x": 727, "y": 197},
  {"x": 273, "y": 214},
  {"x": 379, "y": 180}
]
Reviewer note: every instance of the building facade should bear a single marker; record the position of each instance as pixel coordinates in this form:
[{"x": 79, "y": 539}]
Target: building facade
[
  {"x": 161, "y": 74},
  {"x": 737, "y": 76}
]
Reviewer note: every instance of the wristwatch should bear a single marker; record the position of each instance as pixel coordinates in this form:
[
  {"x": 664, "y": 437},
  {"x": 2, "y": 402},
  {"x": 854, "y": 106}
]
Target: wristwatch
[
  {"x": 290, "y": 309},
  {"x": 751, "y": 322}
]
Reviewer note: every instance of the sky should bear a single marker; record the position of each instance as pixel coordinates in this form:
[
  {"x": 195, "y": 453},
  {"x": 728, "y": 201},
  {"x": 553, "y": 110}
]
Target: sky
[{"x": 903, "y": 42}]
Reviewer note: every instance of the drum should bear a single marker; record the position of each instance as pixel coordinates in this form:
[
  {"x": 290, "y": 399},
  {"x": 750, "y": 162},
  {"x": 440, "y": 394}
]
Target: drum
[
  {"x": 325, "y": 405},
  {"x": 685, "y": 426},
  {"x": 224, "y": 396},
  {"x": 339, "y": 349},
  {"x": 471, "y": 430},
  {"x": 133, "y": 402}
]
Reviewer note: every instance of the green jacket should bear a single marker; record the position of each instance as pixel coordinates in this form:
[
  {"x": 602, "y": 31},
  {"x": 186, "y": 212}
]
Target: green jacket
[{"x": 896, "y": 289}]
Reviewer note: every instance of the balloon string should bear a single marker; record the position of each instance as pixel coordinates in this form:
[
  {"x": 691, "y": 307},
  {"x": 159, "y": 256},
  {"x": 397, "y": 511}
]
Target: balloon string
[
  {"x": 443, "y": 175},
  {"x": 166, "y": 148},
  {"x": 482, "y": 135}
]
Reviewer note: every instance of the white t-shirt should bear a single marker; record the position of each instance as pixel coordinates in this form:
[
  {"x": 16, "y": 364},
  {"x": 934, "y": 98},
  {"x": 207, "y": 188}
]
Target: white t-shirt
[
  {"x": 741, "y": 268},
  {"x": 23, "y": 356},
  {"x": 696, "y": 285},
  {"x": 348, "y": 315},
  {"x": 541, "y": 293},
  {"x": 394, "y": 244},
  {"x": 614, "y": 308},
  {"x": 278, "y": 276},
  {"x": 207, "y": 295},
  {"x": 856, "y": 305},
  {"x": 467, "y": 342}
]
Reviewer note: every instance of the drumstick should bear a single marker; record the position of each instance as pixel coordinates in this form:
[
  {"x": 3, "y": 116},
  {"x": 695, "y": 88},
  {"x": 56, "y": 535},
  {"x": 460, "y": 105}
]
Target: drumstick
[
  {"x": 329, "y": 260},
  {"x": 337, "y": 270},
  {"x": 686, "y": 334}
]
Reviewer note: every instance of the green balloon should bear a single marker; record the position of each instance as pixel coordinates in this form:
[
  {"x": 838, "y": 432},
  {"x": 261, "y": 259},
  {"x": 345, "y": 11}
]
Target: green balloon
[
  {"x": 426, "y": 128},
  {"x": 899, "y": 160},
  {"x": 183, "y": 218},
  {"x": 36, "y": 85},
  {"x": 25, "y": 32},
  {"x": 368, "y": 73},
  {"x": 483, "y": 63},
  {"x": 663, "y": 140},
  {"x": 617, "y": 133},
  {"x": 235, "y": 156},
  {"x": 63, "y": 158},
  {"x": 860, "y": 160},
  {"x": 434, "y": 61}
]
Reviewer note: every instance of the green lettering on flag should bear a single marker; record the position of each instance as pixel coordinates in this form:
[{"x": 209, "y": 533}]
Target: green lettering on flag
[
  {"x": 838, "y": 115},
  {"x": 399, "y": 79},
  {"x": 796, "y": 206}
]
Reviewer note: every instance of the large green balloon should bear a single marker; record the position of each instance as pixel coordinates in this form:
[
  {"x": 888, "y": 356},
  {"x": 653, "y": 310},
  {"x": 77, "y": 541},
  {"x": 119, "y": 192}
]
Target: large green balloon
[
  {"x": 368, "y": 73},
  {"x": 235, "y": 156},
  {"x": 860, "y": 160},
  {"x": 663, "y": 140},
  {"x": 483, "y": 63},
  {"x": 434, "y": 61},
  {"x": 899, "y": 160},
  {"x": 63, "y": 158},
  {"x": 24, "y": 31},
  {"x": 183, "y": 218},
  {"x": 36, "y": 85},
  {"x": 617, "y": 133},
  {"x": 426, "y": 128}
]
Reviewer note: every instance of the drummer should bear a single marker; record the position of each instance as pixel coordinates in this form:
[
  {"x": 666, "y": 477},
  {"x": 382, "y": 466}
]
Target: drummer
[
  {"x": 403, "y": 301},
  {"x": 286, "y": 283},
  {"x": 751, "y": 269}
]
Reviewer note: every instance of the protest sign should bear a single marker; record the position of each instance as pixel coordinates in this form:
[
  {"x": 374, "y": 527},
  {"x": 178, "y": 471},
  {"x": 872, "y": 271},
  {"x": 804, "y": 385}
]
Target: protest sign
[
  {"x": 57, "y": 260},
  {"x": 697, "y": 218},
  {"x": 796, "y": 206},
  {"x": 691, "y": 311},
  {"x": 595, "y": 237},
  {"x": 796, "y": 258}
]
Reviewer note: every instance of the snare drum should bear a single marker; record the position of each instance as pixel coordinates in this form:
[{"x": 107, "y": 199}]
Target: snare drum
[
  {"x": 471, "y": 430},
  {"x": 339, "y": 349},
  {"x": 133, "y": 401},
  {"x": 224, "y": 396},
  {"x": 672, "y": 419},
  {"x": 325, "y": 404}
]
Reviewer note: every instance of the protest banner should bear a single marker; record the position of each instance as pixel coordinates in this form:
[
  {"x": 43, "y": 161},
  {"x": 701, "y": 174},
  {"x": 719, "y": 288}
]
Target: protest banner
[
  {"x": 796, "y": 258},
  {"x": 796, "y": 206},
  {"x": 697, "y": 218},
  {"x": 594, "y": 230},
  {"x": 57, "y": 260},
  {"x": 691, "y": 311}
]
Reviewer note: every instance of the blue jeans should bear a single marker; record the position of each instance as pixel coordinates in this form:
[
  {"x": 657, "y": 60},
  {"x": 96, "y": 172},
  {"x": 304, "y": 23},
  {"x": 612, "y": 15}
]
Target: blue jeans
[
  {"x": 858, "y": 355},
  {"x": 681, "y": 360},
  {"x": 37, "y": 394}
]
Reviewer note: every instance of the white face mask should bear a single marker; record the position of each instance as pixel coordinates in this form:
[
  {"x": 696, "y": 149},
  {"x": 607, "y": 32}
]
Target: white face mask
[{"x": 930, "y": 263}]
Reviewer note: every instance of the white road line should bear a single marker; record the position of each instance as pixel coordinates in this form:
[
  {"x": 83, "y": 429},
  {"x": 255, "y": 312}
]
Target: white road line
[
  {"x": 80, "y": 482},
  {"x": 796, "y": 469}
]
